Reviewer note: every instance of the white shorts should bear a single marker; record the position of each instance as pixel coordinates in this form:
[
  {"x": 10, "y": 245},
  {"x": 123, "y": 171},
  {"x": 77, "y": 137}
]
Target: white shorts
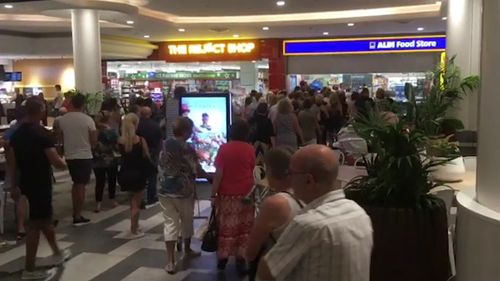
[{"x": 178, "y": 215}]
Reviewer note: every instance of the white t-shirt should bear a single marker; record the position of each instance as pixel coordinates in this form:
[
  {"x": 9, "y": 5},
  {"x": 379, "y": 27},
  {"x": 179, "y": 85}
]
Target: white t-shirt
[
  {"x": 76, "y": 128},
  {"x": 58, "y": 100}
]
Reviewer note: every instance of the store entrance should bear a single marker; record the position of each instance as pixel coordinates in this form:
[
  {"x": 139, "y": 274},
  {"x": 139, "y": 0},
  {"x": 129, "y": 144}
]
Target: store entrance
[
  {"x": 159, "y": 78},
  {"x": 392, "y": 83}
]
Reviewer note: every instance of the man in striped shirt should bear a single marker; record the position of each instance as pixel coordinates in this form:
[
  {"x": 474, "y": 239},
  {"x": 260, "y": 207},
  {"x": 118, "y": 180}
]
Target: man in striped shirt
[{"x": 331, "y": 238}]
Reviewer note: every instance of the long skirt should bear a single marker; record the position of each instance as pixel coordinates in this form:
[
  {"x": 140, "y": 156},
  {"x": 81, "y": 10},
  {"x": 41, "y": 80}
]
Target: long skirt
[{"x": 235, "y": 221}]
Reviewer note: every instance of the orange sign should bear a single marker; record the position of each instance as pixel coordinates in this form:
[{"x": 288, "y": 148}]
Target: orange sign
[{"x": 237, "y": 50}]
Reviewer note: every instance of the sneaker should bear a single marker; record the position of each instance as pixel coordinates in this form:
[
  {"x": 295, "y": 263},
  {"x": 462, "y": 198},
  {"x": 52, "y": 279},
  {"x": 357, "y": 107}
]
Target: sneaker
[
  {"x": 80, "y": 221},
  {"x": 35, "y": 275},
  {"x": 170, "y": 268},
  {"x": 137, "y": 235},
  {"x": 61, "y": 258}
]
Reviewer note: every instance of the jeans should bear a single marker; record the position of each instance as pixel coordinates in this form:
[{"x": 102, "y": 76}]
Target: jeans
[{"x": 100, "y": 181}]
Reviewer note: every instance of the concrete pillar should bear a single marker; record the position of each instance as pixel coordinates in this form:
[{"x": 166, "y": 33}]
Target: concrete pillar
[
  {"x": 464, "y": 42},
  {"x": 488, "y": 165},
  {"x": 248, "y": 76},
  {"x": 87, "y": 50}
]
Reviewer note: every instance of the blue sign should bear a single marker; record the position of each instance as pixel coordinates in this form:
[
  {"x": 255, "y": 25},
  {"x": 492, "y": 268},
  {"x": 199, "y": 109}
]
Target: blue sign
[
  {"x": 374, "y": 45},
  {"x": 13, "y": 77}
]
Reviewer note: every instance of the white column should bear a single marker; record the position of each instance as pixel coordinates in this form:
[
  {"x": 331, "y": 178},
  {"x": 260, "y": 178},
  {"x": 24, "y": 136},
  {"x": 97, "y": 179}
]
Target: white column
[
  {"x": 488, "y": 166},
  {"x": 464, "y": 42},
  {"x": 248, "y": 76},
  {"x": 87, "y": 50}
]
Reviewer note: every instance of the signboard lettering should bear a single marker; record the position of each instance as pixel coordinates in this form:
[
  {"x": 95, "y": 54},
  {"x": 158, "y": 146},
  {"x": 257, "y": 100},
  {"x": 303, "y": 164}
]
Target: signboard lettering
[
  {"x": 431, "y": 43},
  {"x": 211, "y": 48}
]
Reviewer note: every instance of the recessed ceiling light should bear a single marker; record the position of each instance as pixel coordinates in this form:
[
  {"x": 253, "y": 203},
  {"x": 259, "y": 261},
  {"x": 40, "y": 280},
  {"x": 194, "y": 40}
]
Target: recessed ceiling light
[
  {"x": 420, "y": 29},
  {"x": 444, "y": 18},
  {"x": 280, "y": 3},
  {"x": 350, "y": 24},
  {"x": 8, "y": 6},
  {"x": 325, "y": 33},
  {"x": 130, "y": 22},
  {"x": 236, "y": 35},
  {"x": 147, "y": 36},
  {"x": 265, "y": 28},
  {"x": 181, "y": 30}
]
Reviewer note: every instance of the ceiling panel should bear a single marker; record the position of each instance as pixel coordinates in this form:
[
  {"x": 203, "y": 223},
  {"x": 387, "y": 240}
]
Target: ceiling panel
[
  {"x": 161, "y": 30},
  {"x": 256, "y": 7}
]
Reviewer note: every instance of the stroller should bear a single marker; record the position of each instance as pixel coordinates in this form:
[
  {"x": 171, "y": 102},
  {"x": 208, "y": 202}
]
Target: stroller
[{"x": 260, "y": 190}]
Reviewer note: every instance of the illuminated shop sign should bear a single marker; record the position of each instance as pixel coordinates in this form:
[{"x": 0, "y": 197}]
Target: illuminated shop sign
[
  {"x": 209, "y": 48},
  {"x": 373, "y": 45}
]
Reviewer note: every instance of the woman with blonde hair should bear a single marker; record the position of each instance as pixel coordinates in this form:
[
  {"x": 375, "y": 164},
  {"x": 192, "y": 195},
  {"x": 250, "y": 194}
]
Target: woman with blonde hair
[
  {"x": 286, "y": 126},
  {"x": 135, "y": 168}
]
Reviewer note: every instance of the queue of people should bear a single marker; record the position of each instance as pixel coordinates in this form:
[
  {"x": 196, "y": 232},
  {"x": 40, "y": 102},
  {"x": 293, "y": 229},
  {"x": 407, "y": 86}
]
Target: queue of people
[{"x": 306, "y": 230}]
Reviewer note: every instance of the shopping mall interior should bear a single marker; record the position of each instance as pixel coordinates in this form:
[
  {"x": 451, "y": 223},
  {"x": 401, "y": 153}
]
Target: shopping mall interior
[{"x": 427, "y": 176}]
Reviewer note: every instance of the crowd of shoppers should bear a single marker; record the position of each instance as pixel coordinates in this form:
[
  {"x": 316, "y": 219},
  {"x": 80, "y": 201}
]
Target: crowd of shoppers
[{"x": 306, "y": 228}]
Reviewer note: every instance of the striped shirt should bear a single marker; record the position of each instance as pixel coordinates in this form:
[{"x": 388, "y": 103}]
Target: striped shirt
[{"x": 330, "y": 239}]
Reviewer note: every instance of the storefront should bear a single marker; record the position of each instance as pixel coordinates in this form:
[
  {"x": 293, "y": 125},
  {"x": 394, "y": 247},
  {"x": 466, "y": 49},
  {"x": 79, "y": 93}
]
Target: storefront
[
  {"x": 236, "y": 66},
  {"x": 373, "y": 62}
]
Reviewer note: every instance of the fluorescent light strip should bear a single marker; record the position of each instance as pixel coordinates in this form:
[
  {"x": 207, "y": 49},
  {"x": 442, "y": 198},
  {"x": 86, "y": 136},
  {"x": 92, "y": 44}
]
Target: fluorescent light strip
[{"x": 296, "y": 17}]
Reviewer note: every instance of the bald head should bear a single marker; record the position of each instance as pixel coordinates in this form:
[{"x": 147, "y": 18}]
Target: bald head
[
  {"x": 320, "y": 162},
  {"x": 146, "y": 112}
]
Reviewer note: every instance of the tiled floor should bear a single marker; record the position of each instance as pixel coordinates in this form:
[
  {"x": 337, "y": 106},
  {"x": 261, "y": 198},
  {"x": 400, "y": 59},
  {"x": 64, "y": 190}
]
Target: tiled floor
[{"x": 101, "y": 254}]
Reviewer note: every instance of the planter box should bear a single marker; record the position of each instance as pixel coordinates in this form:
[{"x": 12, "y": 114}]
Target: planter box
[
  {"x": 410, "y": 245},
  {"x": 453, "y": 171}
]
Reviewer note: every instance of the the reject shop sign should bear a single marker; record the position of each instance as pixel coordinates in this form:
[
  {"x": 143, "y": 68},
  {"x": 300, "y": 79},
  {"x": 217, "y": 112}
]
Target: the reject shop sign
[{"x": 369, "y": 45}]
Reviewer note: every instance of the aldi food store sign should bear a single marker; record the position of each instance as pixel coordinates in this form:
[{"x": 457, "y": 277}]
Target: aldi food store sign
[{"x": 370, "y": 45}]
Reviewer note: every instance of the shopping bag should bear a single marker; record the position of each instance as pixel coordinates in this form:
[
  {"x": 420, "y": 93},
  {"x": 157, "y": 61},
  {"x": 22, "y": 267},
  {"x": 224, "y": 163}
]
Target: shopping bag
[{"x": 209, "y": 243}]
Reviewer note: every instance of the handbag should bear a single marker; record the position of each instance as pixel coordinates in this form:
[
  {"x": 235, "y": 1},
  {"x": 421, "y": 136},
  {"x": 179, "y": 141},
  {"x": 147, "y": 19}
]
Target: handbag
[{"x": 209, "y": 243}]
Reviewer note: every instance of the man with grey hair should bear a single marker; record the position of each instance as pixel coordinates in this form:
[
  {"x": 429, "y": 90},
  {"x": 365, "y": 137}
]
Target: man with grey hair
[{"x": 331, "y": 238}]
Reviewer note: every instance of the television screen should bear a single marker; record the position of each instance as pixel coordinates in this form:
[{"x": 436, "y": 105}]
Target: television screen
[
  {"x": 13, "y": 76},
  {"x": 211, "y": 118}
]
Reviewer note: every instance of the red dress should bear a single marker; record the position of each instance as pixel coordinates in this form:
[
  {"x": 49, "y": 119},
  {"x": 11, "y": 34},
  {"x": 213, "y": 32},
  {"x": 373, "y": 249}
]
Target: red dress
[{"x": 235, "y": 219}]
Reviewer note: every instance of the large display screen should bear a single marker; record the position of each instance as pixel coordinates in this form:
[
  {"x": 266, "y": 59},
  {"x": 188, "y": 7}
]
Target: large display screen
[
  {"x": 13, "y": 76},
  {"x": 211, "y": 118},
  {"x": 368, "y": 45}
]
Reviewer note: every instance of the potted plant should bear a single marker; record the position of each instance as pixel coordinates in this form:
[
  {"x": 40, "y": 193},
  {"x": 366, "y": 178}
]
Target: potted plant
[
  {"x": 442, "y": 149},
  {"x": 410, "y": 226},
  {"x": 430, "y": 115}
]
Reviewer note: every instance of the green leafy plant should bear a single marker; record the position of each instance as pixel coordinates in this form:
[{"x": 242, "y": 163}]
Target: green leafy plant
[
  {"x": 398, "y": 170},
  {"x": 430, "y": 114},
  {"x": 443, "y": 147},
  {"x": 93, "y": 101}
]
